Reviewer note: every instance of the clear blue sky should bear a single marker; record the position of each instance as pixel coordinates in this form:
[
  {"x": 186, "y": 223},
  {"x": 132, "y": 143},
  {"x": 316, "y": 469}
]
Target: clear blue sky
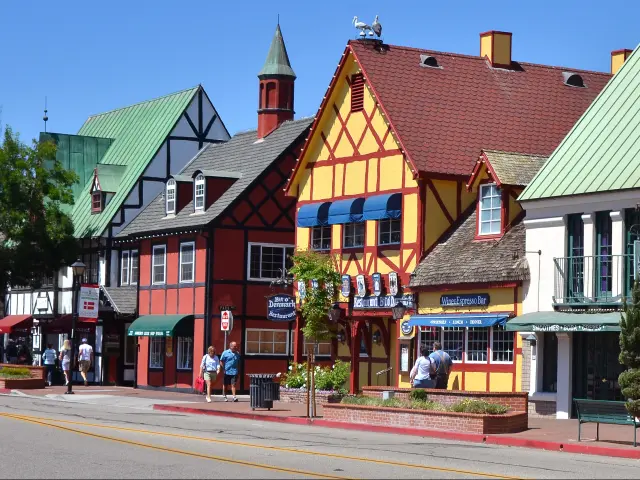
[{"x": 90, "y": 57}]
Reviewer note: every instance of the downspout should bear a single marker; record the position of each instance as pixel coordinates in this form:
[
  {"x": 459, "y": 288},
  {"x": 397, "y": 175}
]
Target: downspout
[{"x": 207, "y": 292}]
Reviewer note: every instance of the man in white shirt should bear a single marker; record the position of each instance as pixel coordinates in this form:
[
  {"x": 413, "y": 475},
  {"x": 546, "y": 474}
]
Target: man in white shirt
[
  {"x": 85, "y": 357},
  {"x": 49, "y": 358}
]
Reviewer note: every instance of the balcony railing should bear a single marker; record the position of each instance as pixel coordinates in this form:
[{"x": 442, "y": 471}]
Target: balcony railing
[{"x": 597, "y": 279}]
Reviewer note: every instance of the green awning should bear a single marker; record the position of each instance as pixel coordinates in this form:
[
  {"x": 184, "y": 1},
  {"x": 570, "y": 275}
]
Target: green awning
[
  {"x": 156, "y": 325},
  {"x": 565, "y": 322}
]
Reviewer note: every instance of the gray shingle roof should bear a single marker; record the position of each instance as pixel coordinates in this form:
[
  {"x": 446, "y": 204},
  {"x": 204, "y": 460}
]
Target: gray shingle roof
[
  {"x": 244, "y": 154},
  {"x": 122, "y": 299},
  {"x": 514, "y": 168},
  {"x": 460, "y": 259}
]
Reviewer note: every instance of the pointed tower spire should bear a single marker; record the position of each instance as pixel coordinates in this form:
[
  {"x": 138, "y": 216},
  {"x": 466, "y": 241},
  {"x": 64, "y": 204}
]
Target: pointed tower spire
[{"x": 277, "y": 62}]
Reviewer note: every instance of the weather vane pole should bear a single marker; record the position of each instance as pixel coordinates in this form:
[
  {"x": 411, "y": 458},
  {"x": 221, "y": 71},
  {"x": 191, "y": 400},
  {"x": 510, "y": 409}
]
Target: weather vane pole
[{"x": 45, "y": 118}]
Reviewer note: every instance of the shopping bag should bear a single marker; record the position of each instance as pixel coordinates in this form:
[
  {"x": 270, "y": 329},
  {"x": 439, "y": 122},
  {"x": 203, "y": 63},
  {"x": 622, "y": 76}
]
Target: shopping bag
[{"x": 199, "y": 384}]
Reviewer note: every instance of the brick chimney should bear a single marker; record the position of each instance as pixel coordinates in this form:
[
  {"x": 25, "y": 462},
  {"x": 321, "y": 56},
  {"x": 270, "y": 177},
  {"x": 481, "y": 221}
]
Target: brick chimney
[
  {"x": 618, "y": 57},
  {"x": 496, "y": 47}
]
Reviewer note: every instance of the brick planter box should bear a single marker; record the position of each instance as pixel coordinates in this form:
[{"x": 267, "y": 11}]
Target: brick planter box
[
  {"x": 511, "y": 422},
  {"x": 292, "y": 395},
  {"x": 36, "y": 381}
]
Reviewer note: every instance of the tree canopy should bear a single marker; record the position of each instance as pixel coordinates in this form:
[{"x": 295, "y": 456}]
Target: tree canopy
[
  {"x": 36, "y": 235},
  {"x": 630, "y": 351}
]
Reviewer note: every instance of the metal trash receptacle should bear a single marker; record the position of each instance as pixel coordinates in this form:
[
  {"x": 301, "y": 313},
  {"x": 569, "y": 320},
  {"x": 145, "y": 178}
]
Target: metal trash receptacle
[{"x": 263, "y": 390}]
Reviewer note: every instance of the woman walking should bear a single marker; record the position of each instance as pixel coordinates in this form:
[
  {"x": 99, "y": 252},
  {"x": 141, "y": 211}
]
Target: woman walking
[
  {"x": 65, "y": 359},
  {"x": 421, "y": 372},
  {"x": 209, "y": 369}
]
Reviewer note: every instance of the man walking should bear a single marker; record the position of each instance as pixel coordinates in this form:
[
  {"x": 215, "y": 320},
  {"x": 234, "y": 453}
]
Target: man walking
[
  {"x": 442, "y": 362},
  {"x": 49, "y": 357},
  {"x": 230, "y": 359},
  {"x": 85, "y": 358}
]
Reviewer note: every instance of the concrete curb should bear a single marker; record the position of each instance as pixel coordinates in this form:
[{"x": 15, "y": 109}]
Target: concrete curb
[
  {"x": 5, "y": 391},
  {"x": 506, "y": 441}
]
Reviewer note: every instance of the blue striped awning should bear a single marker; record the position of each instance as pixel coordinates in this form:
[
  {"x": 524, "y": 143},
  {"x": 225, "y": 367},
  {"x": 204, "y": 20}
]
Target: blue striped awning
[
  {"x": 346, "y": 211},
  {"x": 459, "y": 320},
  {"x": 383, "y": 206},
  {"x": 313, "y": 214}
]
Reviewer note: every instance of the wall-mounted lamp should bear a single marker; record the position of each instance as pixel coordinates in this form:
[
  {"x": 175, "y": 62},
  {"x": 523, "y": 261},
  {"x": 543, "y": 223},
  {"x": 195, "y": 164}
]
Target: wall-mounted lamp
[
  {"x": 334, "y": 313},
  {"x": 340, "y": 336},
  {"x": 376, "y": 337},
  {"x": 397, "y": 311},
  {"x": 531, "y": 338}
]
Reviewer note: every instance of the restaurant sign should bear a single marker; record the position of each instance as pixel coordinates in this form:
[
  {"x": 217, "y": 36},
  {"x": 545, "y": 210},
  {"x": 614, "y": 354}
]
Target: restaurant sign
[
  {"x": 383, "y": 301},
  {"x": 574, "y": 328},
  {"x": 465, "y": 300},
  {"x": 281, "y": 308}
]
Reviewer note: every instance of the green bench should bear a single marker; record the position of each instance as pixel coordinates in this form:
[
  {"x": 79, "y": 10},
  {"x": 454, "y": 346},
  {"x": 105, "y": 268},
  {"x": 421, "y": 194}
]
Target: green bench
[{"x": 604, "y": 411}]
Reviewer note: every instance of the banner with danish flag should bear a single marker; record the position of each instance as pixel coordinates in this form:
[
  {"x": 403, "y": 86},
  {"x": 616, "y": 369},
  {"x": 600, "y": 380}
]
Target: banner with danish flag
[{"x": 89, "y": 301}]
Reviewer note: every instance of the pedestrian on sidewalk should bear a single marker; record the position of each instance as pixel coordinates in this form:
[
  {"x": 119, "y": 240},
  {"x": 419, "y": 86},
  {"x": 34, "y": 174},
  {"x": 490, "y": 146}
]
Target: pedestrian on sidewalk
[
  {"x": 85, "y": 357},
  {"x": 12, "y": 352},
  {"x": 49, "y": 357},
  {"x": 443, "y": 363},
  {"x": 65, "y": 359},
  {"x": 209, "y": 369},
  {"x": 230, "y": 359},
  {"x": 420, "y": 373}
]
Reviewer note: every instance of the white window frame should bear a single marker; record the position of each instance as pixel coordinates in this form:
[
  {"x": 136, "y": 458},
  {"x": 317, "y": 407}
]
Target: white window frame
[
  {"x": 199, "y": 182},
  {"x": 321, "y": 229},
  {"x": 154, "y": 341},
  {"x": 268, "y": 245},
  {"x": 304, "y": 348},
  {"x": 125, "y": 267},
  {"x": 513, "y": 349},
  {"x": 193, "y": 262},
  {"x": 170, "y": 188},
  {"x": 137, "y": 256},
  {"x": 153, "y": 264},
  {"x": 287, "y": 342},
  {"x": 490, "y": 209},
  {"x": 354, "y": 225},
  {"x": 180, "y": 345},
  {"x": 389, "y": 230},
  {"x": 466, "y": 346}
]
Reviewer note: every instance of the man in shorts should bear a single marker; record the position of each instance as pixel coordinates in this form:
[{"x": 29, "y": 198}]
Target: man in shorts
[
  {"x": 230, "y": 359},
  {"x": 85, "y": 358}
]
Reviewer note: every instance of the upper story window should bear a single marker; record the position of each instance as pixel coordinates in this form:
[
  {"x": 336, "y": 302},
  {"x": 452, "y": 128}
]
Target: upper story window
[
  {"x": 125, "y": 265},
  {"x": 321, "y": 238},
  {"x": 490, "y": 210},
  {"x": 198, "y": 202},
  {"x": 187, "y": 262},
  {"x": 268, "y": 261},
  {"x": 357, "y": 92},
  {"x": 159, "y": 267},
  {"x": 134, "y": 273},
  {"x": 96, "y": 201},
  {"x": 353, "y": 235},
  {"x": 170, "y": 196},
  {"x": 389, "y": 231}
]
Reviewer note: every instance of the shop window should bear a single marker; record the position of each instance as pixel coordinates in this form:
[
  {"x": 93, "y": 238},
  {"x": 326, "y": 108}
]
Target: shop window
[
  {"x": 353, "y": 235},
  {"x": 156, "y": 352},
  {"x": 266, "y": 342},
  {"x": 389, "y": 231},
  {"x": 269, "y": 261},
  {"x": 171, "y": 196},
  {"x": 159, "y": 264},
  {"x": 185, "y": 353},
  {"x": 453, "y": 342},
  {"x": 322, "y": 349},
  {"x": 187, "y": 262},
  {"x": 321, "y": 238},
  {"x": 502, "y": 345},
  {"x": 198, "y": 203},
  {"x": 477, "y": 344},
  {"x": 490, "y": 210},
  {"x": 549, "y": 362},
  {"x": 129, "y": 348},
  {"x": 429, "y": 335},
  {"x": 124, "y": 268},
  {"x": 135, "y": 268}
]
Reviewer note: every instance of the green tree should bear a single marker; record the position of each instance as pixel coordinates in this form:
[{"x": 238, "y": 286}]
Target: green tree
[
  {"x": 36, "y": 235},
  {"x": 630, "y": 351}
]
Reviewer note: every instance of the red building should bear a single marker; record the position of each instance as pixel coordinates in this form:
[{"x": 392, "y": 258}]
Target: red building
[{"x": 218, "y": 236}]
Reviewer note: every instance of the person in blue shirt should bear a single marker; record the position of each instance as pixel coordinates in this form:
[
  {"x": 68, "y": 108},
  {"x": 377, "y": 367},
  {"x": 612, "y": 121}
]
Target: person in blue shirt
[
  {"x": 442, "y": 363},
  {"x": 230, "y": 360}
]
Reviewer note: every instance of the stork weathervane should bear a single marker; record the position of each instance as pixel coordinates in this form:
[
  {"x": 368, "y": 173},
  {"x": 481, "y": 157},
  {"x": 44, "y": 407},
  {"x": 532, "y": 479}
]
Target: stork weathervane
[{"x": 374, "y": 28}]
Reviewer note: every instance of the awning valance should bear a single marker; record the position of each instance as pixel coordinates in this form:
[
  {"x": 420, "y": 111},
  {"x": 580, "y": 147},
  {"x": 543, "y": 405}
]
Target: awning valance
[
  {"x": 15, "y": 321},
  {"x": 156, "y": 325},
  {"x": 382, "y": 206},
  {"x": 565, "y": 322},
  {"x": 346, "y": 211},
  {"x": 458, "y": 320},
  {"x": 313, "y": 214}
]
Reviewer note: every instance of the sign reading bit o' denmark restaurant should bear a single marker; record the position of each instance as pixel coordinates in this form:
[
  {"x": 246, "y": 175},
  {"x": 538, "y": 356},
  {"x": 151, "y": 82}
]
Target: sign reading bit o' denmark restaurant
[
  {"x": 465, "y": 300},
  {"x": 281, "y": 308}
]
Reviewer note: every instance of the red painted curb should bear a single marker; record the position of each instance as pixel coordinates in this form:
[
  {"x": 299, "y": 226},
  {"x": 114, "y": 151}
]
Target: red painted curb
[
  {"x": 5, "y": 391},
  {"x": 463, "y": 437}
]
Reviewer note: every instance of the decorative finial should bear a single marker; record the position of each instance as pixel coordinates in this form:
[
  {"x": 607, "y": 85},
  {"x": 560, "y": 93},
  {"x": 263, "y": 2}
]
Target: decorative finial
[
  {"x": 45, "y": 118},
  {"x": 278, "y": 19}
]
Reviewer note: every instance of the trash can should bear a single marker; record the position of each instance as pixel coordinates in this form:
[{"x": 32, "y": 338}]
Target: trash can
[{"x": 263, "y": 390}]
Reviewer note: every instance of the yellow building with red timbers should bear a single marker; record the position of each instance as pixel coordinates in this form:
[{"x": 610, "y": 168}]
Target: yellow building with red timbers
[{"x": 383, "y": 175}]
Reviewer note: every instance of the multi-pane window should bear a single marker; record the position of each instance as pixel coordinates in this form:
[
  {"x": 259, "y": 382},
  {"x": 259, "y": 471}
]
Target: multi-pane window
[
  {"x": 321, "y": 238},
  {"x": 134, "y": 274},
  {"x": 199, "y": 193},
  {"x": 389, "y": 231},
  {"x": 96, "y": 202},
  {"x": 604, "y": 260},
  {"x": 502, "y": 345},
  {"x": 129, "y": 267},
  {"x": 453, "y": 342},
  {"x": 575, "y": 254},
  {"x": 266, "y": 342},
  {"x": 267, "y": 261},
  {"x": 428, "y": 335},
  {"x": 159, "y": 264},
  {"x": 477, "y": 344},
  {"x": 171, "y": 196},
  {"x": 321, "y": 349},
  {"x": 187, "y": 262},
  {"x": 490, "y": 210},
  {"x": 185, "y": 353},
  {"x": 353, "y": 235},
  {"x": 156, "y": 352},
  {"x": 92, "y": 267},
  {"x": 125, "y": 265}
]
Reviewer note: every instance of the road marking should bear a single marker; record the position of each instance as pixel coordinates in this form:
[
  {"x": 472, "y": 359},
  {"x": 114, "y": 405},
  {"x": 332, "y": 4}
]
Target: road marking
[
  {"x": 278, "y": 449},
  {"x": 173, "y": 450}
]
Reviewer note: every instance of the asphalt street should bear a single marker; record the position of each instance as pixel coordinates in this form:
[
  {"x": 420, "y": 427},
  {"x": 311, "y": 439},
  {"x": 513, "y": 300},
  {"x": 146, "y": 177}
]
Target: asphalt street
[{"x": 54, "y": 438}]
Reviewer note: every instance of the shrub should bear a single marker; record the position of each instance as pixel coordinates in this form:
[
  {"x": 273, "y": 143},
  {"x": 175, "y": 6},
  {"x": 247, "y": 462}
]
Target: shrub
[
  {"x": 630, "y": 352},
  {"x": 327, "y": 378},
  {"x": 418, "y": 394},
  {"x": 296, "y": 377},
  {"x": 15, "y": 372},
  {"x": 340, "y": 374},
  {"x": 478, "y": 406}
]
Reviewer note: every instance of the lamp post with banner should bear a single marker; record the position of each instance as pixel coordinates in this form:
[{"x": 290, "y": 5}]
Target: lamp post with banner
[{"x": 78, "y": 271}]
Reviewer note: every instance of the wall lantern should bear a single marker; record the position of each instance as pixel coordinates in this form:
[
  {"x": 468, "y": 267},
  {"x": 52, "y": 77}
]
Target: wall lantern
[
  {"x": 398, "y": 310},
  {"x": 78, "y": 268},
  {"x": 340, "y": 336},
  {"x": 376, "y": 337},
  {"x": 531, "y": 338},
  {"x": 334, "y": 313}
]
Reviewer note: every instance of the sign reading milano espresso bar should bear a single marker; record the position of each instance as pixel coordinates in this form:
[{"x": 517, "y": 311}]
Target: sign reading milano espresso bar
[{"x": 465, "y": 300}]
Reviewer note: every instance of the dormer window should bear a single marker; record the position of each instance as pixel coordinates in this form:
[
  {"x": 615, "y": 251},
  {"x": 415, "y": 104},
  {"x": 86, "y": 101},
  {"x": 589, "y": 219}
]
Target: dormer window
[
  {"x": 490, "y": 210},
  {"x": 170, "y": 196},
  {"x": 96, "y": 201},
  {"x": 198, "y": 202}
]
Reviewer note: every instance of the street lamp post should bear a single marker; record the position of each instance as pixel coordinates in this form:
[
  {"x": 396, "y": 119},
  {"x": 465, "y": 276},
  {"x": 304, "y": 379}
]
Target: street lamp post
[{"x": 78, "y": 271}]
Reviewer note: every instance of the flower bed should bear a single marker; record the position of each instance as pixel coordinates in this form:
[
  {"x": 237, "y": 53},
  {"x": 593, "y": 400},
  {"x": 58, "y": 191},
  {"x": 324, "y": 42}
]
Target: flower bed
[
  {"x": 22, "y": 377},
  {"x": 297, "y": 395}
]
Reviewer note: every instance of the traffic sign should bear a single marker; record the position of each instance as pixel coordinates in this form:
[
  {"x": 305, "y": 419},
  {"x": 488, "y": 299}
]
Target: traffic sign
[{"x": 226, "y": 321}]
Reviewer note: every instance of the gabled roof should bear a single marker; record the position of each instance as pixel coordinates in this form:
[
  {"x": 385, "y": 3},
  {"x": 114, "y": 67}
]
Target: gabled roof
[
  {"x": 444, "y": 116},
  {"x": 138, "y": 131},
  {"x": 244, "y": 155},
  {"x": 602, "y": 151},
  {"x": 508, "y": 168},
  {"x": 122, "y": 299}
]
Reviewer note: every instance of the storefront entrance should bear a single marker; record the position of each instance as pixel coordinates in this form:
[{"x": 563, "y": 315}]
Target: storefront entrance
[{"x": 596, "y": 366}]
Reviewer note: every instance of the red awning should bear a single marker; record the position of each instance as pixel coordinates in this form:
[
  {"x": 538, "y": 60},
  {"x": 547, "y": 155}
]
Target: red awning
[{"x": 12, "y": 321}]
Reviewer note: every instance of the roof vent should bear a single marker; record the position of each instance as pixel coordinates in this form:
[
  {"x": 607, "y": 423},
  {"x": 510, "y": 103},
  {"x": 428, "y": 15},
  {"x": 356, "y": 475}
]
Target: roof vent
[
  {"x": 573, "y": 79},
  {"x": 429, "y": 61}
]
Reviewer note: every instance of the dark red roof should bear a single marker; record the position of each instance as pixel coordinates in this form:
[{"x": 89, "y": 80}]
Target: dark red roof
[{"x": 445, "y": 116}]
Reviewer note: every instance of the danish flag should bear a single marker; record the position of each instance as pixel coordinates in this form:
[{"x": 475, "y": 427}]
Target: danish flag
[{"x": 89, "y": 305}]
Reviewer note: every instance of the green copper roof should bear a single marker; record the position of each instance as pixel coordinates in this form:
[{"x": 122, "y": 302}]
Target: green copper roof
[
  {"x": 138, "y": 131},
  {"x": 110, "y": 177},
  {"x": 277, "y": 62},
  {"x": 601, "y": 153}
]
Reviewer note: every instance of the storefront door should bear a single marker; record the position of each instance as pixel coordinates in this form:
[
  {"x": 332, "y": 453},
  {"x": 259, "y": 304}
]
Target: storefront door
[{"x": 596, "y": 366}]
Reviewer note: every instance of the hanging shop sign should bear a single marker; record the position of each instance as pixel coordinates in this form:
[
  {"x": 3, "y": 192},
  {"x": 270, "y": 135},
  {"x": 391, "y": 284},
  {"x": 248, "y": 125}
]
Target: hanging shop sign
[
  {"x": 465, "y": 300},
  {"x": 302, "y": 290},
  {"x": 383, "y": 301},
  {"x": 393, "y": 284},
  {"x": 406, "y": 328},
  {"x": 361, "y": 287},
  {"x": 88, "y": 301},
  {"x": 575, "y": 328},
  {"x": 281, "y": 308},
  {"x": 377, "y": 284},
  {"x": 346, "y": 285},
  {"x": 314, "y": 284},
  {"x": 226, "y": 321}
]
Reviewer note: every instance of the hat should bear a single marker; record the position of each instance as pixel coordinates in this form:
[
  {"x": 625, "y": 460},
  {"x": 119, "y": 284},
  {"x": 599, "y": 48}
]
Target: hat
[{"x": 84, "y": 340}]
